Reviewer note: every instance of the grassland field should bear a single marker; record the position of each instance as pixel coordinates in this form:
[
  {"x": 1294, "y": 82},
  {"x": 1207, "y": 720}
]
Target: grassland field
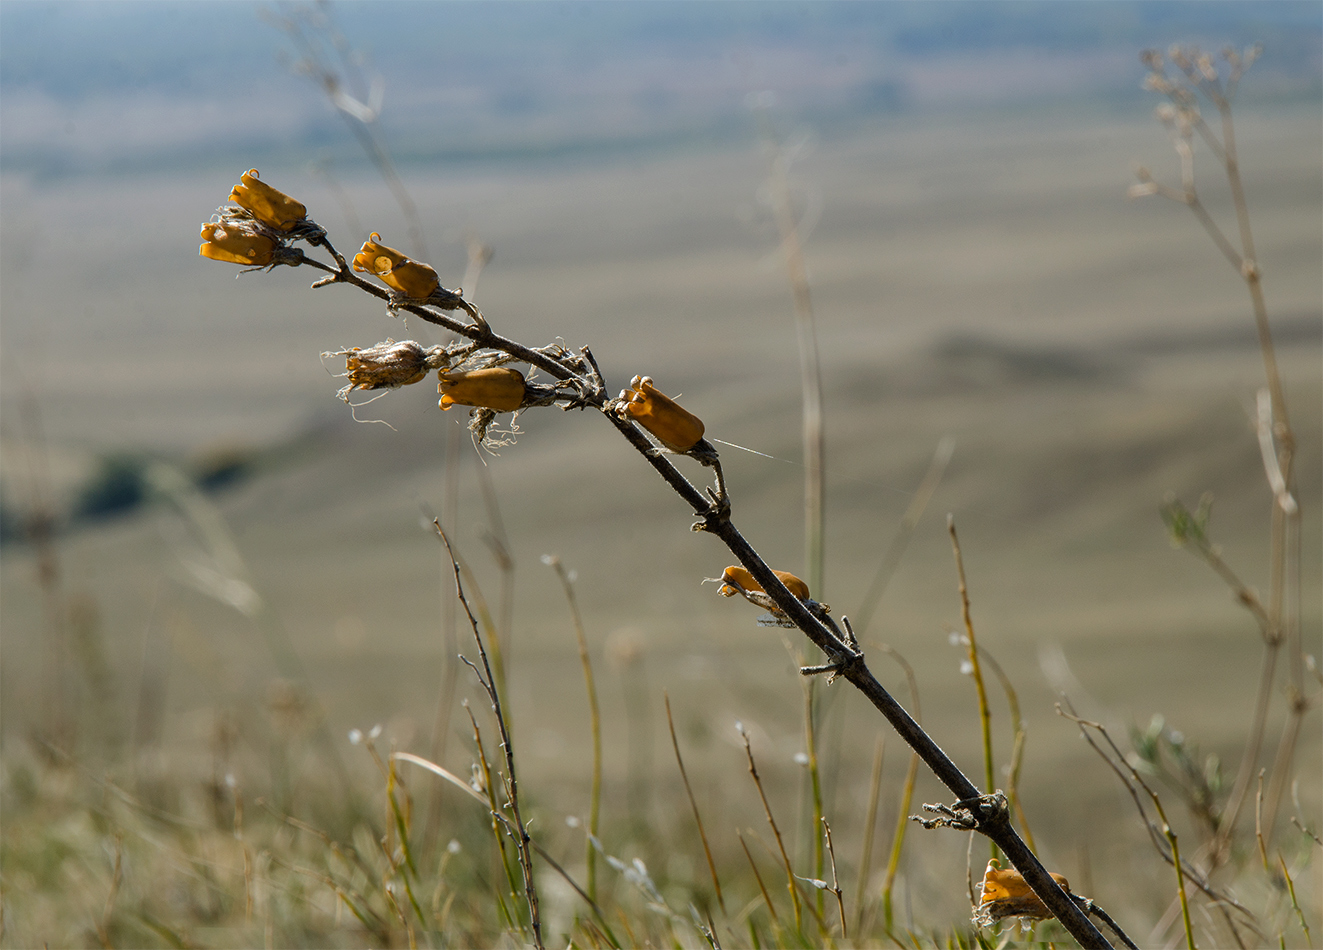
[{"x": 979, "y": 277}]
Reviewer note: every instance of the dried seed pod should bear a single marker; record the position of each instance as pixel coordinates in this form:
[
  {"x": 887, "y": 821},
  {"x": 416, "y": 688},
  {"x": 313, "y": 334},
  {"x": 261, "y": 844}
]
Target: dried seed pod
[
  {"x": 735, "y": 578},
  {"x": 387, "y": 365},
  {"x": 676, "y": 428},
  {"x": 1007, "y": 894},
  {"x": 273, "y": 208},
  {"x": 227, "y": 241},
  {"x": 411, "y": 278},
  {"x": 498, "y": 388}
]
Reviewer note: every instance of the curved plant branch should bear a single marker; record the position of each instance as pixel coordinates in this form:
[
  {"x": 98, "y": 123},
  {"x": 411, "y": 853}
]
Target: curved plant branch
[{"x": 584, "y": 387}]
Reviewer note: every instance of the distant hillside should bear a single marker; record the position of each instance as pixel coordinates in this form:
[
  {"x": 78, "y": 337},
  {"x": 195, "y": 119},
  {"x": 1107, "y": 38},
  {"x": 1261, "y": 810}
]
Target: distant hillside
[{"x": 142, "y": 87}]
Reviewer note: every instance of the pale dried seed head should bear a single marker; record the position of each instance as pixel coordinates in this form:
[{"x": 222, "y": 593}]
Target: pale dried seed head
[
  {"x": 1156, "y": 82},
  {"x": 389, "y": 365}
]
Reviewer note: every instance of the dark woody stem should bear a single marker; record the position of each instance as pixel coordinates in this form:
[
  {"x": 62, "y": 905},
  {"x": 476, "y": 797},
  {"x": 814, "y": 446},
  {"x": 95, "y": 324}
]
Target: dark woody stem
[
  {"x": 478, "y": 331},
  {"x": 716, "y": 520}
]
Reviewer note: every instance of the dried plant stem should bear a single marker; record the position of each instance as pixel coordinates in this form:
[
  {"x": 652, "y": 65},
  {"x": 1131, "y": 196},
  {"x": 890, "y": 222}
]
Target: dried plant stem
[
  {"x": 580, "y": 373},
  {"x": 857, "y": 673},
  {"x": 498, "y": 821},
  {"x": 511, "y": 781},
  {"x": 901, "y": 539},
  {"x": 1248, "y": 264},
  {"x": 835, "y": 884},
  {"x": 595, "y": 719},
  {"x": 693, "y": 804},
  {"x": 1017, "y": 745},
  {"x": 971, "y": 645},
  {"x": 1189, "y": 529},
  {"x": 1165, "y": 827},
  {"x": 1295, "y": 904},
  {"x": 809, "y": 685},
  {"x": 767, "y": 898},
  {"x": 776, "y": 832},
  {"x": 1258, "y": 823},
  {"x": 906, "y": 799},
  {"x": 1286, "y": 600},
  {"x": 870, "y": 827},
  {"x": 1276, "y": 435}
]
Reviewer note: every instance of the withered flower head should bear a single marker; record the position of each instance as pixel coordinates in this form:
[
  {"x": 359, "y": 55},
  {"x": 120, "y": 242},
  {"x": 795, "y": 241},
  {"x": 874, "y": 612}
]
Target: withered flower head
[
  {"x": 676, "y": 428},
  {"x": 395, "y": 270},
  {"x": 497, "y": 387},
  {"x": 1006, "y": 894},
  {"x": 231, "y": 241},
  {"x": 387, "y": 365},
  {"x": 735, "y": 578},
  {"x": 273, "y": 208}
]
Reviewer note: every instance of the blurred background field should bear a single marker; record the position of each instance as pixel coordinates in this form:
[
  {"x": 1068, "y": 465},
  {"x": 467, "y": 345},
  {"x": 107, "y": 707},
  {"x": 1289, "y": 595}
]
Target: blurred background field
[{"x": 977, "y": 274}]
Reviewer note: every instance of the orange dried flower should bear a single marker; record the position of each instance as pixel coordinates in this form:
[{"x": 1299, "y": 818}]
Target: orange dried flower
[
  {"x": 228, "y": 242},
  {"x": 676, "y": 428},
  {"x": 273, "y": 208},
  {"x": 735, "y": 578},
  {"x": 395, "y": 270},
  {"x": 1006, "y": 894},
  {"x": 498, "y": 388}
]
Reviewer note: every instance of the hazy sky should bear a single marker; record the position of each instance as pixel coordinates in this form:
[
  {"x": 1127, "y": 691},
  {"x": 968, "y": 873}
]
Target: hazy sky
[{"x": 139, "y": 86}]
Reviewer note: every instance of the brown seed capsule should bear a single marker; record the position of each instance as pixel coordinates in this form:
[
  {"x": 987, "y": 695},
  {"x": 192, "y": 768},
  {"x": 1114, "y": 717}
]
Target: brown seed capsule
[
  {"x": 496, "y": 388},
  {"x": 229, "y": 242},
  {"x": 1007, "y": 894},
  {"x": 676, "y": 428},
  {"x": 273, "y": 208},
  {"x": 410, "y": 278},
  {"x": 735, "y": 578}
]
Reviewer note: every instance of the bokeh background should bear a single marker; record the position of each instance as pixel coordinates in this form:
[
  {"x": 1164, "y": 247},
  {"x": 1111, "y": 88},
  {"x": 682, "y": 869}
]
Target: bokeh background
[{"x": 204, "y": 549}]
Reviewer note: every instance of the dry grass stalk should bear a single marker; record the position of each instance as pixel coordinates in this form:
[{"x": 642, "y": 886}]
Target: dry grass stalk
[
  {"x": 906, "y": 800},
  {"x": 693, "y": 804},
  {"x": 835, "y": 887},
  {"x": 594, "y": 716},
  {"x": 870, "y": 827},
  {"x": 975, "y": 670},
  {"x": 510, "y": 781},
  {"x": 776, "y": 832},
  {"x": 1159, "y": 830},
  {"x": 1018, "y": 737},
  {"x": 762, "y": 888}
]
